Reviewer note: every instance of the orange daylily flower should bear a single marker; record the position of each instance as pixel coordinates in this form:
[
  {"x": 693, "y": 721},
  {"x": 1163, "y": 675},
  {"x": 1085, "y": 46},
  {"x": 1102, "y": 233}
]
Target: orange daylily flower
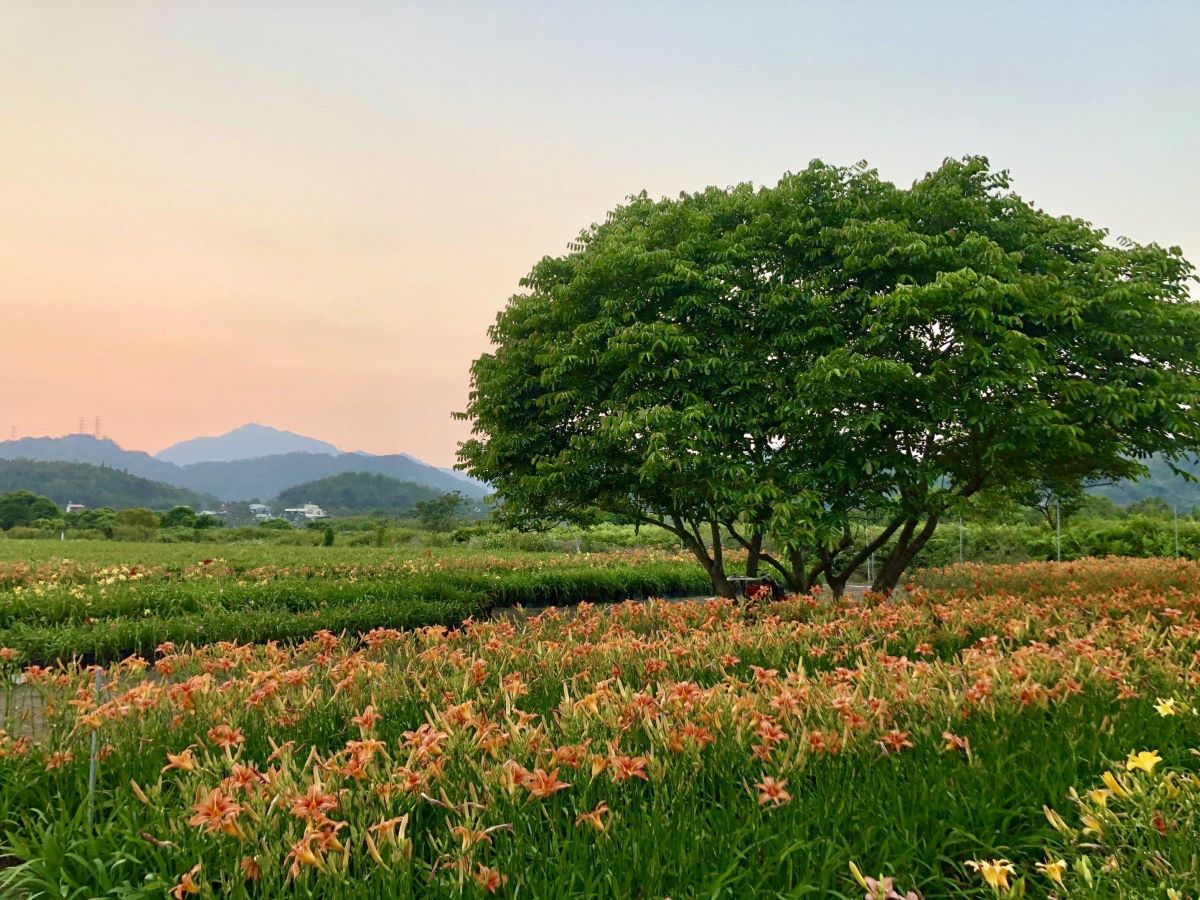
[
  {"x": 626, "y": 767},
  {"x": 771, "y": 790},
  {"x": 302, "y": 854},
  {"x": 542, "y": 785},
  {"x": 895, "y": 741},
  {"x": 595, "y": 818},
  {"x": 489, "y": 879},
  {"x": 216, "y": 811},
  {"x": 225, "y": 736},
  {"x": 314, "y": 803},
  {"x": 251, "y": 870},
  {"x": 187, "y": 883},
  {"x": 953, "y": 742},
  {"x": 367, "y": 718},
  {"x": 185, "y": 761}
]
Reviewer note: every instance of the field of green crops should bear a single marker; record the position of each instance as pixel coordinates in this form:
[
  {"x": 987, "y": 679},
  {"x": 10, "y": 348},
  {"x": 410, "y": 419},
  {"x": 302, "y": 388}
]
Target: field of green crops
[{"x": 992, "y": 731}]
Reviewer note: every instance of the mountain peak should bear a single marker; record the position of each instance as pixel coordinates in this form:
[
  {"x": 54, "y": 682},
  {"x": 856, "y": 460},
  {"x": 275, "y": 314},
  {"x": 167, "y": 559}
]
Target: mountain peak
[{"x": 249, "y": 441}]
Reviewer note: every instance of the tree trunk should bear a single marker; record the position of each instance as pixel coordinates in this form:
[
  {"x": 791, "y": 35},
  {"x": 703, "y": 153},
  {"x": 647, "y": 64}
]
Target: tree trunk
[
  {"x": 714, "y": 563},
  {"x": 721, "y": 585},
  {"x": 754, "y": 553},
  {"x": 837, "y": 583},
  {"x": 908, "y": 545},
  {"x": 797, "y": 577}
]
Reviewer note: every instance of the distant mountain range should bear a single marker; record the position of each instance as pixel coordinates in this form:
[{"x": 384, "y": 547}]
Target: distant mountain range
[
  {"x": 247, "y": 442},
  {"x": 259, "y": 476}
]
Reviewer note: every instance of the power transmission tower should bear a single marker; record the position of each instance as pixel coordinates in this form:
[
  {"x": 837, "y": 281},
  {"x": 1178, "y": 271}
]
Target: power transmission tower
[
  {"x": 82, "y": 426},
  {"x": 96, "y": 428}
]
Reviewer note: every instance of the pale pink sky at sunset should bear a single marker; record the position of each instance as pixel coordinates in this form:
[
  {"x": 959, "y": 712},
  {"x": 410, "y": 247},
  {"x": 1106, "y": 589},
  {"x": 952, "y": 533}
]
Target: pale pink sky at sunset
[{"x": 308, "y": 214}]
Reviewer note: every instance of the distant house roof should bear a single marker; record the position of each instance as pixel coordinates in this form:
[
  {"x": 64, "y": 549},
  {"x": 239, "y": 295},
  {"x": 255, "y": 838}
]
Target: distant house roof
[{"x": 308, "y": 510}]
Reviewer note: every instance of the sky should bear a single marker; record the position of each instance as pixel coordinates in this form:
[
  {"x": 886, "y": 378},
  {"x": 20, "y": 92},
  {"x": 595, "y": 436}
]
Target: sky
[{"x": 307, "y": 214}]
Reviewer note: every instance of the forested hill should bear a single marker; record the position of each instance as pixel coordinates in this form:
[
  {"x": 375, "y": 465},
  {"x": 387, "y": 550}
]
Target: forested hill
[
  {"x": 1161, "y": 483},
  {"x": 359, "y": 493},
  {"x": 95, "y": 486}
]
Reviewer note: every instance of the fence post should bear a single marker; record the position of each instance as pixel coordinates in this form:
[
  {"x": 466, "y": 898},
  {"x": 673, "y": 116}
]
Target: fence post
[
  {"x": 1058, "y": 529},
  {"x": 95, "y": 760}
]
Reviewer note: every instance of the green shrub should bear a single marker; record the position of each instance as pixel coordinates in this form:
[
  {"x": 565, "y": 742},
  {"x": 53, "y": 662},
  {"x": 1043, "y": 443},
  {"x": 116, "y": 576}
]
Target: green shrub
[{"x": 26, "y": 533}]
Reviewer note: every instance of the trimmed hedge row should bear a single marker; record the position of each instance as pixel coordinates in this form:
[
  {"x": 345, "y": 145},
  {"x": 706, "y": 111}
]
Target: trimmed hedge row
[
  {"x": 137, "y": 619},
  {"x": 117, "y": 638}
]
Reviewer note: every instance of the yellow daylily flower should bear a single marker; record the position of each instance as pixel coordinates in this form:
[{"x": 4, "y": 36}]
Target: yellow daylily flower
[
  {"x": 1170, "y": 785},
  {"x": 1145, "y": 760},
  {"x": 1053, "y": 869},
  {"x": 1056, "y": 821},
  {"x": 1099, "y": 796},
  {"x": 1114, "y": 785},
  {"x": 1166, "y": 707},
  {"x": 994, "y": 871}
]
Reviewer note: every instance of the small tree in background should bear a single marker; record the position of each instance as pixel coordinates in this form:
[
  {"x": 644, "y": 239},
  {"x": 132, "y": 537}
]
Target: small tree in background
[
  {"x": 441, "y": 514},
  {"x": 135, "y": 524},
  {"x": 179, "y": 517}
]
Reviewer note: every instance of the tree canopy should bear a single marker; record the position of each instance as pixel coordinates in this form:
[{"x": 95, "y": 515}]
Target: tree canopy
[
  {"x": 441, "y": 513},
  {"x": 25, "y": 508},
  {"x": 792, "y": 360}
]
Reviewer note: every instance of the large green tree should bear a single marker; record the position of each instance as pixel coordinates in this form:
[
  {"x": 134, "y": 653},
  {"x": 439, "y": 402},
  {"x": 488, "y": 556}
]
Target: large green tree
[
  {"x": 786, "y": 363},
  {"x": 25, "y": 508}
]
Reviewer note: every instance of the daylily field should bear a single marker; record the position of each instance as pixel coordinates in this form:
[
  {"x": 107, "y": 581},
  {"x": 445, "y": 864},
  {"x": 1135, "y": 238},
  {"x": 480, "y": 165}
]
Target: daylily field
[{"x": 986, "y": 731}]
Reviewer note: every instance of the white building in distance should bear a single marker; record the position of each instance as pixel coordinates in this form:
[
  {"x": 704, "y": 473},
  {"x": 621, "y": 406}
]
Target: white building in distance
[{"x": 308, "y": 511}]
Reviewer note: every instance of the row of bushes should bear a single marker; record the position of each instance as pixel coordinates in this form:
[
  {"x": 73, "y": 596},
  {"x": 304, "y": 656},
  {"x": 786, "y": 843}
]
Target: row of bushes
[
  {"x": 114, "y": 639},
  {"x": 108, "y": 622},
  {"x": 1082, "y": 537},
  {"x": 564, "y": 538}
]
